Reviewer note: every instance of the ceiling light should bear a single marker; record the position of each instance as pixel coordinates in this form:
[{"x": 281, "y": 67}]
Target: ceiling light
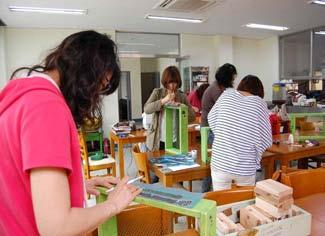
[
  {"x": 320, "y": 32},
  {"x": 48, "y": 10},
  {"x": 268, "y": 27},
  {"x": 188, "y": 20},
  {"x": 138, "y": 44},
  {"x": 320, "y": 2},
  {"x": 129, "y": 51}
]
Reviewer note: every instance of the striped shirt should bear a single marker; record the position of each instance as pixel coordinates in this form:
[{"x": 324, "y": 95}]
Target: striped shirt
[{"x": 242, "y": 132}]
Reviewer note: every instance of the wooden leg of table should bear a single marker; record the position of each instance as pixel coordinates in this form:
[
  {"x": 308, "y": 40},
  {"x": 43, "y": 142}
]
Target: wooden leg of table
[
  {"x": 190, "y": 185},
  {"x": 269, "y": 169},
  {"x": 284, "y": 163},
  {"x": 167, "y": 181},
  {"x": 112, "y": 146},
  {"x": 114, "y": 171},
  {"x": 121, "y": 158}
]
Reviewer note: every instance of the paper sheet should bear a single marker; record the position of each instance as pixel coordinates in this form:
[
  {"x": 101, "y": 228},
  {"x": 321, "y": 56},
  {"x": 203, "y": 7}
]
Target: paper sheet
[{"x": 182, "y": 167}]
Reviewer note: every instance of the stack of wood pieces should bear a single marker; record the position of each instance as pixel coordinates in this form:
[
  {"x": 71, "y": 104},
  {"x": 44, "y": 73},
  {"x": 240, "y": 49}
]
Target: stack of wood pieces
[
  {"x": 226, "y": 226},
  {"x": 273, "y": 202}
]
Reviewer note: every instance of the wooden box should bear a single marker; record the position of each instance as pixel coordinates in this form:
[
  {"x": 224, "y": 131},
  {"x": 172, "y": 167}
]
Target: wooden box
[{"x": 299, "y": 225}]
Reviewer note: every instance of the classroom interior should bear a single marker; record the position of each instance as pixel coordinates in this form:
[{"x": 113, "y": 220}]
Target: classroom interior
[{"x": 281, "y": 42}]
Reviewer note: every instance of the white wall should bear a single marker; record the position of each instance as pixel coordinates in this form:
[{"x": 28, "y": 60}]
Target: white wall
[
  {"x": 202, "y": 50},
  {"x": 133, "y": 65},
  {"x": 246, "y": 58},
  {"x": 269, "y": 64},
  {"x": 25, "y": 47},
  {"x": 257, "y": 57},
  {"x": 224, "y": 46},
  {"x": 3, "y": 74}
]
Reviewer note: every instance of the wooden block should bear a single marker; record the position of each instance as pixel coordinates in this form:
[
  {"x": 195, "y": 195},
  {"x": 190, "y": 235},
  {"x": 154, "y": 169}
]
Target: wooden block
[
  {"x": 272, "y": 218},
  {"x": 247, "y": 219},
  {"x": 269, "y": 208},
  {"x": 230, "y": 224},
  {"x": 258, "y": 214},
  {"x": 283, "y": 204},
  {"x": 275, "y": 188},
  {"x": 222, "y": 227},
  {"x": 239, "y": 227},
  {"x": 275, "y": 200}
]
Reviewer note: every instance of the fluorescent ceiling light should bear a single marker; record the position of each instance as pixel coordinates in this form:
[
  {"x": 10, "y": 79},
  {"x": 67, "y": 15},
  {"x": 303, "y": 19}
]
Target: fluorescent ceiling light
[
  {"x": 138, "y": 44},
  {"x": 48, "y": 10},
  {"x": 268, "y": 27},
  {"x": 129, "y": 51},
  {"x": 320, "y": 32},
  {"x": 189, "y": 20},
  {"x": 320, "y": 2}
]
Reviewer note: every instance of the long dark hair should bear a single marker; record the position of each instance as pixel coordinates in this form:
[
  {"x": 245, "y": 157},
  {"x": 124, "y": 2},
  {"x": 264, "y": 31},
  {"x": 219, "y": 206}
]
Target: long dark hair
[{"x": 83, "y": 60}]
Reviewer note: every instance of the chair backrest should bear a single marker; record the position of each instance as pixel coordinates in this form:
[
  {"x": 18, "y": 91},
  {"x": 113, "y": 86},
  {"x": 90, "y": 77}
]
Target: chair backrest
[
  {"x": 142, "y": 163},
  {"x": 235, "y": 194},
  {"x": 141, "y": 220},
  {"x": 84, "y": 153},
  {"x": 305, "y": 182},
  {"x": 279, "y": 174}
]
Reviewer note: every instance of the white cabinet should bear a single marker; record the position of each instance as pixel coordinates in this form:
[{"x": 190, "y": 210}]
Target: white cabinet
[{"x": 194, "y": 76}]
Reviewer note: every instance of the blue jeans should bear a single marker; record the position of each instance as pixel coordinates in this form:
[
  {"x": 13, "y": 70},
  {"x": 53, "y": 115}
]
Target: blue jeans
[{"x": 207, "y": 181}]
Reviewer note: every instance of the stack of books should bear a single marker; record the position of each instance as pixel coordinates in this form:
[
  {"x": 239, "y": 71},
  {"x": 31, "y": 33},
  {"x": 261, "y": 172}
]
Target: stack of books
[{"x": 122, "y": 128}]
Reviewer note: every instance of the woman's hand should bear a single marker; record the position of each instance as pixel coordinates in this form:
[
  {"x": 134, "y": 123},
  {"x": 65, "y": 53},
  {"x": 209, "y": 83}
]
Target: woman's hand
[
  {"x": 122, "y": 195},
  {"x": 170, "y": 97},
  {"x": 197, "y": 110},
  {"x": 93, "y": 183}
]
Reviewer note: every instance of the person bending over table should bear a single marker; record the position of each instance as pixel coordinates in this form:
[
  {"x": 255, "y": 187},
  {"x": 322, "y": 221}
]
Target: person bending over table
[{"x": 242, "y": 132}]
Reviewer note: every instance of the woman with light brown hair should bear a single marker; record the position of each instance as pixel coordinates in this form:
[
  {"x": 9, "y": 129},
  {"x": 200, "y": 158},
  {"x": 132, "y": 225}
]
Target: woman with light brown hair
[{"x": 168, "y": 94}]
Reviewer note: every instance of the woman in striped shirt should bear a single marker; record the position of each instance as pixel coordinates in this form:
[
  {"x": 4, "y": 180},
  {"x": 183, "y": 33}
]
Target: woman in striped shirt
[{"x": 242, "y": 132}]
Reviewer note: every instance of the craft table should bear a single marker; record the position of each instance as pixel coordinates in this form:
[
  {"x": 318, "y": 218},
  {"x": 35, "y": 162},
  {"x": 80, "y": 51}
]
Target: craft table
[{"x": 287, "y": 152}]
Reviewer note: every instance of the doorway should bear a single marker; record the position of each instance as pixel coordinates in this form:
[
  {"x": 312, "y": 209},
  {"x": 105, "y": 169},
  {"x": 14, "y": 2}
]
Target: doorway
[
  {"x": 149, "y": 81},
  {"x": 124, "y": 97}
]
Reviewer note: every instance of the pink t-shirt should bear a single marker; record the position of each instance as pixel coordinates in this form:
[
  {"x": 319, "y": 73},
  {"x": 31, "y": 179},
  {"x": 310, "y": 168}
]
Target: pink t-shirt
[
  {"x": 194, "y": 100},
  {"x": 37, "y": 130}
]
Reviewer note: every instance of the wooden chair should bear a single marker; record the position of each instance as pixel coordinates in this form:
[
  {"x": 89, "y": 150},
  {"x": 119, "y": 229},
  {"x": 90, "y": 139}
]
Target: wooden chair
[
  {"x": 235, "y": 194},
  {"x": 141, "y": 160},
  {"x": 142, "y": 220},
  {"x": 89, "y": 165},
  {"x": 309, "y": 194},
  {"x": 305, "y": 182}
]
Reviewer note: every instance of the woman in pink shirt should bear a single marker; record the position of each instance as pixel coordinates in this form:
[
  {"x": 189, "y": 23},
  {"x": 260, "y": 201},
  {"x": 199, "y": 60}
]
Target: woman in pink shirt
[
  {"x": 195, "y": 97},
  {"x": 42, "y": 188}
]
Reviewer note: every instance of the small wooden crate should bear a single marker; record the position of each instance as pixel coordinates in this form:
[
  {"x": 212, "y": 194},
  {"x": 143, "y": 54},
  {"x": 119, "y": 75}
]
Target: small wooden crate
[{"x": 299, "y": 225}]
